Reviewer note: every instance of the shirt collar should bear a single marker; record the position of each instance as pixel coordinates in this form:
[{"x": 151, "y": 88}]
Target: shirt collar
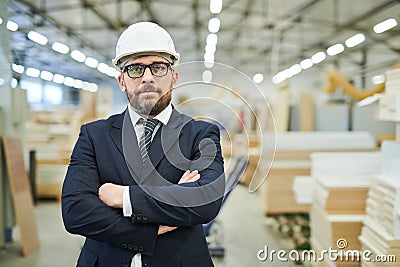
[{"x": 163, "y": 116}]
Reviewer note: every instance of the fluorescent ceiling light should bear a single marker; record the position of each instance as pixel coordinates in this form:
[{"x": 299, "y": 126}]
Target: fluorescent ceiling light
[
  {"x": 278, "y": 78},
  {"x": 12, "y": 26},
  {"x": 355, "y": 40},
  {"x": 208, "y": 65},
  {"x": 385, "y": 25},
  {"x": 68, "y": 81},
  {"x": 14, "y": 83},
  {"x": 295, "y": 69},
  {"x": 287, "y": 73},
  {"x": 32, "y": 72},
  {"x": 104, "y": 68},
  {"x": 210, "y": 48},
  {"x": 58, "y": 78},
  {"x": 378, "y": 79},
  {"x": 335, "y": 49},
  {"x": 91, "y": 62},
  {"x": 209, "y": 57},
  {"x": 37, "y": 37},
  {"x": 18, "y": 68},
  {"x": 60, "y": 48},
  {"x": 93, "y": 87},
  {"x": 46, "y": 75},
  {"x": 318, "y": 57},
  {"x": 215, "y": 6},
  {"x": 112, "y": 72},
  {"x": 207, "y": 76},
  {"x": 213, "y": 25},
  {"x": 212, "y": 39},
  {"x": 306, "y": 63},
  {"x": 77, "y": 84},
  {"x": 258, "y": 78},
  {"x": 78, "y": 55},
  {"x": 86, "y": 86}
]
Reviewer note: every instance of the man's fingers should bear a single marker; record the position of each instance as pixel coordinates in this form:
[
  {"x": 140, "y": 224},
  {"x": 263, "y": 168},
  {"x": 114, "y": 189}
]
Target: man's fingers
[
  {"x": 162, "y": 229},
  {"x": 194, "y": 178},
  {"x": 185, "y": 175},
  {"x": 189, "y": 177}
]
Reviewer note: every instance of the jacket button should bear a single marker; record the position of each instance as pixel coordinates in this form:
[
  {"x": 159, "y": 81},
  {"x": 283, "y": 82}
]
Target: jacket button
[
  {"x": 139, "y": 216},
  {"x": 145, "y": 217},
  {"x": 140, "y": 248},
  {"x": 135, "y": 248},
  {"x": 125, "y": 263}
]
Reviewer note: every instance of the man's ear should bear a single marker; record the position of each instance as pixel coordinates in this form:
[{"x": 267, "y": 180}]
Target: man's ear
[
  {"x": 175, "y": 76},
  {"x": 121, "y": 83}
]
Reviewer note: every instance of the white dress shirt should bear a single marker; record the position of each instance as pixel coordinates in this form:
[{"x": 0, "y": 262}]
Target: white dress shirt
[{"x": 163, "y": 117}]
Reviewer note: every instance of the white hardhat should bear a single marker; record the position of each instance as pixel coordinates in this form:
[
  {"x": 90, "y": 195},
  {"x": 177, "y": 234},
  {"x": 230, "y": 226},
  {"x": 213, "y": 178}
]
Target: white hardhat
[{"x": 145, "y": 38}]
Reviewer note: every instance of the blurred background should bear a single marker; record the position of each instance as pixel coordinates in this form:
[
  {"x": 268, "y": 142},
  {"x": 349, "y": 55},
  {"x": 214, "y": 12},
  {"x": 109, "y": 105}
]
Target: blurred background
[{"x": 306, "y": 94}]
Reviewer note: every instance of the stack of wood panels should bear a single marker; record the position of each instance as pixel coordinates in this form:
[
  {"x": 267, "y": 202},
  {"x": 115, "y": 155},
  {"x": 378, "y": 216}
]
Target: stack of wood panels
[
  {"x": 381, "y": 231},
  {"x": 339, "y": 197},
  {"x": 292, "y": 158}
]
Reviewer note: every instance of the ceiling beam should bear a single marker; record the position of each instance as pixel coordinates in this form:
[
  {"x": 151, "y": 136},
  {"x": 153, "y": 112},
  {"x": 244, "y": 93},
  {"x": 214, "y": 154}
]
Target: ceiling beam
[
  {"x": 245, "y": 14},
  {"x": 111, "y": 24},
  {"x": 196, "y": 25},
  {"x": 146, "y": 6}
]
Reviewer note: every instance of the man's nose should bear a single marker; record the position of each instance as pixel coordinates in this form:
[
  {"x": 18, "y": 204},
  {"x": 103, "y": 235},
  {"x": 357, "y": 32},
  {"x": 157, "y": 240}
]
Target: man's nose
[{"x": 147, "y": 76}]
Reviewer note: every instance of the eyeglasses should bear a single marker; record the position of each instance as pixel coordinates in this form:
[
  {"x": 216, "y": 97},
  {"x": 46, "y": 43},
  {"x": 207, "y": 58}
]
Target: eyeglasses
[{"x": 158, "y": 69}]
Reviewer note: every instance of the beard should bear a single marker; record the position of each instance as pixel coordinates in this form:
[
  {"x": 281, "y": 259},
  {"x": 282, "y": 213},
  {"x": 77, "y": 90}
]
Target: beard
[{"x": 149, "y": 105}]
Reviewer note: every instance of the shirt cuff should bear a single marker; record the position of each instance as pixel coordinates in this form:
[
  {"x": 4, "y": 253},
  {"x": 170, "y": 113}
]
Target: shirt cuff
[{"x": 126, "y": 202}]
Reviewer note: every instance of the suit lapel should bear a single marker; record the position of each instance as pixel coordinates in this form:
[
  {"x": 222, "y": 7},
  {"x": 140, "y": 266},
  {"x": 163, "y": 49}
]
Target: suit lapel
[
  {"x": 126, "y": 141},
  {"x": 166, "y": 137},
  {"x": 115, "y": 131}
]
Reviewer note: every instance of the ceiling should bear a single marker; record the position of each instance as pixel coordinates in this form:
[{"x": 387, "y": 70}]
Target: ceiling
[{"x": 264, "y": 36}]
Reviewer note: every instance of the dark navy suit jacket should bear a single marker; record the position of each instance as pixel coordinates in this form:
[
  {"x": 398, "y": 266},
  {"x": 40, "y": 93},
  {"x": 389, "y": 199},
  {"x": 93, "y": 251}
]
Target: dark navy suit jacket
[{"x": 101, "y": 155}]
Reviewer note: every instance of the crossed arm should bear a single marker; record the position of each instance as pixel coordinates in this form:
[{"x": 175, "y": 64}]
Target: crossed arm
[{"x": 112, "y": 195}]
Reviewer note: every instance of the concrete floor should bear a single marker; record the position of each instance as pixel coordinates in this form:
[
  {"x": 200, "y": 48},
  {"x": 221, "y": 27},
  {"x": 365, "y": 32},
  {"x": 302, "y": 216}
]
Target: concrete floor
[{"x": 242, "y": 220}]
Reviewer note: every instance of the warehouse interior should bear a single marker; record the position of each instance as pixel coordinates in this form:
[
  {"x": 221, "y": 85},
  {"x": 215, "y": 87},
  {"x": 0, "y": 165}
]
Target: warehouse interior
[{"x": 306, "y": 94}]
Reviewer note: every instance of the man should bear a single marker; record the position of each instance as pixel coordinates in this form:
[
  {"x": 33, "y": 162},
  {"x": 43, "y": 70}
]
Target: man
[{"x": 140, "y": 189}]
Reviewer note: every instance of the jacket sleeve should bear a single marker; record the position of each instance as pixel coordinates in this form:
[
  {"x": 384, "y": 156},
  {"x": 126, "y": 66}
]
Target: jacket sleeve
[
  {"x": 85, "y": 214},
  {"x": 158, "y": 212}
]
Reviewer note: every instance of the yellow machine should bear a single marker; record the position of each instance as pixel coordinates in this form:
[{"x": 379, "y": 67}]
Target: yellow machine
[{"x": 335, "y": 78}]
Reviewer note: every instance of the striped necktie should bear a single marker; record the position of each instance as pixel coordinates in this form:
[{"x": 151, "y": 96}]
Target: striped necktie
[{"x": 145, "y": 140}]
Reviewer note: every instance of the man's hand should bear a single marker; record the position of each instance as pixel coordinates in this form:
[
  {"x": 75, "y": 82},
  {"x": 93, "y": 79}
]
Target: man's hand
[
  {"x": 111, "y": 194},
  {"x": 162, "y": 229},
  {"x": 189, "y": 176}
]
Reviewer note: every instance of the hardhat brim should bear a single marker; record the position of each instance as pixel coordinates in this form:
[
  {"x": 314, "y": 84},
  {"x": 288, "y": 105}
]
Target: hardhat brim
[{"x": 172, "y": 58}]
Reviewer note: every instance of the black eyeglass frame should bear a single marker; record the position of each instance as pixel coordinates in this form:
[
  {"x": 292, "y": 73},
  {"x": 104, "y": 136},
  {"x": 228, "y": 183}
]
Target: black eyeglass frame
[{"x": 145, "y": 66}]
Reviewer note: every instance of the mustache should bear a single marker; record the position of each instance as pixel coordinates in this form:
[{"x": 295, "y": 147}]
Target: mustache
[{"x": 148, "y": 88}]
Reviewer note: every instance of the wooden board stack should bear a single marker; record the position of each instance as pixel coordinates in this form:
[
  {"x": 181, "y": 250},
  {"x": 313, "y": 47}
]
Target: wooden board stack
[
  {"x": 339, "y": 196},
  {"x": 292, "y": 158},
  {"x": 381, "y": 231},
  {"x": 52, "y": 135}
]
